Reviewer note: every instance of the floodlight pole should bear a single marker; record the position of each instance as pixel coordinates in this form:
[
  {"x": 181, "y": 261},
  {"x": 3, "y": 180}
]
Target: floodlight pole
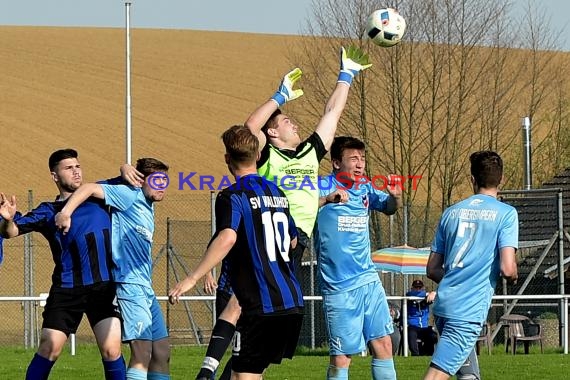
[
  {"x": 527, "y": 153},
  {"x": 128, "y": 81}
]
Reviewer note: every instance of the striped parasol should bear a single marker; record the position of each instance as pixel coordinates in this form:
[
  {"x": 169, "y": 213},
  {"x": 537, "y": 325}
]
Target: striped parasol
[{"x": 403, "y": 259}]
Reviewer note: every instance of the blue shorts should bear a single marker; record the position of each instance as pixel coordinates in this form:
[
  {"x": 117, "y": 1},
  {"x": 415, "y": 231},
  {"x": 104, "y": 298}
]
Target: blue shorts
[
  {"x": 141, "y": 313},
  {"x": 355, "y": 317},
  {"x": 456, "y": 341}
]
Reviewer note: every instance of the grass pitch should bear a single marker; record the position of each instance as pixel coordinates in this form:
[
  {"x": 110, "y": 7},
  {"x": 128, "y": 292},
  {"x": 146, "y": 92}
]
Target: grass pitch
[{"x": 306, "y": 365}]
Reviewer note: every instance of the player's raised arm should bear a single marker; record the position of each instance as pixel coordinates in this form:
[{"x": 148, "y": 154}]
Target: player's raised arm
[
  {"x": 63, "y": 218},
  {"x": 8, "y": 229},
  {"x": 284, "y": 93},
  {"x": 131, "y": 175},
  {"x": 352, "y": 61},
  {"x": 394, "y": 188}
]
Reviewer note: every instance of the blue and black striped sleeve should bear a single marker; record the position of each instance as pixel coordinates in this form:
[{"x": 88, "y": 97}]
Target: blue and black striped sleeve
[
  {"x": 112, "y": 181},
  {"x": 36, "y": 220},
  {"x": 292, "y": 227},
  {"x": 228, "y": 211}
]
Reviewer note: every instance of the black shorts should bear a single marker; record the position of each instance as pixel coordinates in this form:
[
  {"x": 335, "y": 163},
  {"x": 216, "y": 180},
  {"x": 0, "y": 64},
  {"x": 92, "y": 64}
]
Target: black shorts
[
  {"x": 222, "y": 299},
  {"x": 297, "y": 252},
  {"x": 65, "y": 306},
  {"x": 263, "y": 340}
]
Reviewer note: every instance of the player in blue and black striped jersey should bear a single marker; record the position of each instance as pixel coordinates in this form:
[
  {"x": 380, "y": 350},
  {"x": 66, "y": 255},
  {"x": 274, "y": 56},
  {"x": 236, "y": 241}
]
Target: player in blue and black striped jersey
[
  {"x": 81, "y": 280},
  {"x": 255, "y": 231}
]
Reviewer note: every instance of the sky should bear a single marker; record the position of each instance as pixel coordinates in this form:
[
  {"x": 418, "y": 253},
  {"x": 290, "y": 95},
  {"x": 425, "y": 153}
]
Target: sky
[{"x": 255, "y": 16}]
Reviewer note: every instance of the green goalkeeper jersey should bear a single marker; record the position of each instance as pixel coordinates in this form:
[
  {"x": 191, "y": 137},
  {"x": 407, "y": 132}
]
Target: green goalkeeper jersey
[{"x": 296, "y": 172}]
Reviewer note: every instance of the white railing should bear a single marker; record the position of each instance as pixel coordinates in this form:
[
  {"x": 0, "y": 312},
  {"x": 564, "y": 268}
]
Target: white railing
[{"x": 404, "y": 311}]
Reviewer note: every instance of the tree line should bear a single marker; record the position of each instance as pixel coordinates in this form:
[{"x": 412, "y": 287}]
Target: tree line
[{"x": 461, "y": 80}]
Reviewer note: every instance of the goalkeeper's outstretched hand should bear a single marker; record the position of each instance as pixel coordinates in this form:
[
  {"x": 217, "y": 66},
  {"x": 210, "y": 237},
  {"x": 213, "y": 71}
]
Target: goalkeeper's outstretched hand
[
  {"x": 352, "y": 61},
  {"x": 285, "y": 92}
]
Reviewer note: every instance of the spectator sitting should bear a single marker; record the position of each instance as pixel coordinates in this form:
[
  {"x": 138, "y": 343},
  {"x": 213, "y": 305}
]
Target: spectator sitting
[
  {"x": 418, "y": 321},
  {"x": 397, "y": 334}
]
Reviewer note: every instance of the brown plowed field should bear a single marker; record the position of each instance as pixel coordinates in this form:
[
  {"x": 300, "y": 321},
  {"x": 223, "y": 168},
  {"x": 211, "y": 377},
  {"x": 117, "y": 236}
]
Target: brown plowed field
[{"x": 65, "y": 87}]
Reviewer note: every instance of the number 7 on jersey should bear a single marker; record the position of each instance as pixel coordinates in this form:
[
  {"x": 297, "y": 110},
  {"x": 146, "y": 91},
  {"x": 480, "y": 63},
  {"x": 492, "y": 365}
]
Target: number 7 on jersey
[{"x": 466, "y": 231}]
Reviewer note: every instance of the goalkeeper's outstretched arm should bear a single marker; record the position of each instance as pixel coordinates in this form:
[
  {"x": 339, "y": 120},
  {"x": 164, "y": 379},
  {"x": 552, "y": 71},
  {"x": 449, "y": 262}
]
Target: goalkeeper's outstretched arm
[
  {"x": 284, "y": 93},
  {"x": 352, "y": 61}
]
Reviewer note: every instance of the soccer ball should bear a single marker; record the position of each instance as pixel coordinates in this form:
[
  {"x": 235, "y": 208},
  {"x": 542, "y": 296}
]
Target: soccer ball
[{"x": 385, "y": 27}]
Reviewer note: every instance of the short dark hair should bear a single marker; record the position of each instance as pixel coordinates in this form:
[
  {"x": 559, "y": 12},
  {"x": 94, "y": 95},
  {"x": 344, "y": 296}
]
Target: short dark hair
[
  {"x": 486, "y": 168},
  {"x": 241, "y": 145},
  {"x": 149, "y": 165},
  {"x": 271, "y": 121},
  {"x": 60, "y": 155},
  {"x": 342, "y": 143},
  {"x": 417, "y": 284}
]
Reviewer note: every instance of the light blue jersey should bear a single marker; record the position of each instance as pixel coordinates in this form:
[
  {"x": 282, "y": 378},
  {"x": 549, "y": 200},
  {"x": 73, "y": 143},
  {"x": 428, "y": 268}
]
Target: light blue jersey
[
  {"x": 342, "y": 238},
  {"x": 132, "y": 230},
  {"x": 469, "y": 236}
]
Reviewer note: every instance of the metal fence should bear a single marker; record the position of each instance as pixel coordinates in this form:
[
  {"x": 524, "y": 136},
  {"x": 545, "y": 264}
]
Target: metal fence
[
  {"x": 28, "y": 265},
  {"x": 183, "y": 230}
]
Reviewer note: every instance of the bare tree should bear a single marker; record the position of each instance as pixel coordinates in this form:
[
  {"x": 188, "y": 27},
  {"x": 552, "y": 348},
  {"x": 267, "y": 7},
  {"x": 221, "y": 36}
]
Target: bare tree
[
  {"x": 542, "y": 80},
  {"x": 555, "y": 153},
  {"x": 458, "y": 82}
]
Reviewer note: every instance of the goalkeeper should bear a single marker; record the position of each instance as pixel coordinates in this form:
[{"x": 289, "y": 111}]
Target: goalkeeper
[
  {"x": 282, "y": 151},
  {"x": 284, "y": 155}
]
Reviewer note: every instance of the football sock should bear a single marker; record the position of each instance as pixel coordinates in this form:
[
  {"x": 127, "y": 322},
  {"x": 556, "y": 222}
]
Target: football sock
[
  {"x": 39, "y": 368},
  {"x": 335, "y": 373},
  {"x": 383, "y": 369},
  {"x": 221, "y": 338},
  {"x": 136, "y": 374},
  {"x": 227, "y": 374},
  {"x": 158, "y": 376},
  {"x": 115, "y": 369}
]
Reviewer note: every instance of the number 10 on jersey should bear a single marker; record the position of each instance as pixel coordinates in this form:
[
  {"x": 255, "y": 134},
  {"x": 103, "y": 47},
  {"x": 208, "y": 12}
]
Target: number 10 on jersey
[{"x": 276, "y": 232}]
